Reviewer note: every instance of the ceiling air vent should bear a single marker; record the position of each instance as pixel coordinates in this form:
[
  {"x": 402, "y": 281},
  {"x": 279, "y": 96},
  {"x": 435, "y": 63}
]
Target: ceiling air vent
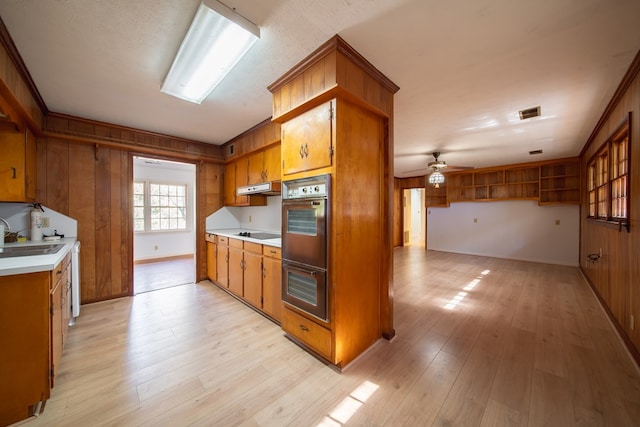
[
  {"x": 529, "y": 113},
  {"x": 531, "y": 153}
]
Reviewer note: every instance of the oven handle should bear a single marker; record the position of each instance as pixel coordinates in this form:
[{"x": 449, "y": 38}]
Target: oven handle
[
  {"x": 303, "y": 270},
  {"x": 303, "y": 202}
]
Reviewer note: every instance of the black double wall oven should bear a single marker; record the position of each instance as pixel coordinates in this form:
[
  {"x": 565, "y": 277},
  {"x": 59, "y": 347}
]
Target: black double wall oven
[{"x": 305, "y": 208}]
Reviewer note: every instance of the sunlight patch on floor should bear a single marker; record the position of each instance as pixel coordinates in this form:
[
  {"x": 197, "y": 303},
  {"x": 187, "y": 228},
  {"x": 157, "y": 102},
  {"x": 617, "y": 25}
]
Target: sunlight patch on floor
[
  {"x": 453, "y": 303},
  {"x": 349, "y": 405}
]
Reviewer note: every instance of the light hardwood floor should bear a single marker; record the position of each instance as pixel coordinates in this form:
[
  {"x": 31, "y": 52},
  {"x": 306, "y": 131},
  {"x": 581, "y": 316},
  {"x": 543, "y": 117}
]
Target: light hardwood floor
[
  {"x": 480, "y": 341},
  {"x": 153, "y": 275}
]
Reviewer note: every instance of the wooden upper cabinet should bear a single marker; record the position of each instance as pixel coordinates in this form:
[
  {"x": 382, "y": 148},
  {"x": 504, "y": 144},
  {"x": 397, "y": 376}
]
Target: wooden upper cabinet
[
  {"x": 17, "y": 166},
  {"x": 230, "y": 184},
  {"x": 256, "y": 168},
  {"x": 307, "y": 141},
  {"x": 242, "y": 179},
  {"x": 272, "y": 157},
  {"x": 237, "y": 175}
]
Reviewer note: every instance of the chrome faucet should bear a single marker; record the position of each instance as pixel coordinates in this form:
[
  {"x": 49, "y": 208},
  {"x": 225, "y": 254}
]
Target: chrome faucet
[{"x": 5, "y": 221}]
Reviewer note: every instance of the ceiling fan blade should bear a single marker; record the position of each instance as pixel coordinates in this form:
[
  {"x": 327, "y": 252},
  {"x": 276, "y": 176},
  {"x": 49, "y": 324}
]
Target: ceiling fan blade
[{"x": 416, "y": 170}]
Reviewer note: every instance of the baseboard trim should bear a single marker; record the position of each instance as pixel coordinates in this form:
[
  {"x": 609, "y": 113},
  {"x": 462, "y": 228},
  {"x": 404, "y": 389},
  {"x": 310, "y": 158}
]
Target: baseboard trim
[{"x": 166, "y": 258}]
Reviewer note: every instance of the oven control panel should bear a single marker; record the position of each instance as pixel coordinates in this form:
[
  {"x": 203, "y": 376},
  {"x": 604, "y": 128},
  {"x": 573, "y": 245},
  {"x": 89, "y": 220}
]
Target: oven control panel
[{"x": 314, "y": 187}]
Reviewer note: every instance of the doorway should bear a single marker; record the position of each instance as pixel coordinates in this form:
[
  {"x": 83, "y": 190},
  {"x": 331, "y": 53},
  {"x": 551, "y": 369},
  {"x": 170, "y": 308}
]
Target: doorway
[
  {"x": 414, "y": 220},
  {"x": 164, "y": 239}
]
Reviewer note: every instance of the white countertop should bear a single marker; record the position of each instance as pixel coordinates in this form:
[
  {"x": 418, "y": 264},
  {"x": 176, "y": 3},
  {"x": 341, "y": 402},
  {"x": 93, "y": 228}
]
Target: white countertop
[
  {"x": 34, "y": 263},
  {"x": 233, "y": 234}
]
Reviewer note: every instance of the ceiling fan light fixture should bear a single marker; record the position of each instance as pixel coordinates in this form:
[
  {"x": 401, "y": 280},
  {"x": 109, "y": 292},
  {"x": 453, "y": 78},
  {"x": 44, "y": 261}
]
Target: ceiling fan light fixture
[
  {"x": 216, "y": 40},
  {"x": 436, "y": 178}
]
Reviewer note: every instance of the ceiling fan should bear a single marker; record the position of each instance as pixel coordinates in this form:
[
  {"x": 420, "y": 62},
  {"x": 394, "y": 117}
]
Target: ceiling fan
[{"x": 434, "y": 169}]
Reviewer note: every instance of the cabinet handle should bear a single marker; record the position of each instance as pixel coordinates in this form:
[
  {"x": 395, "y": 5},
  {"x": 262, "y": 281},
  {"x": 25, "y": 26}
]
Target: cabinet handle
[
  {"x": 301, "y": 151},
  {"x": 306, "y": 150},
  {"x": 14, "y": 172},
  {"x": 304, "y": 328},
  {"x": 59, "y": 272},
  {"x": 272, "y": 252}
]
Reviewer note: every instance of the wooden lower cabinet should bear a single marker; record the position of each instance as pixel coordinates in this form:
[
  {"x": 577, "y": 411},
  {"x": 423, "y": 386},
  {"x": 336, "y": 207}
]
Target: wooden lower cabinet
[
  {"x": 222, "y": 262},
  {"x": 251, "y": 271},
  {"x": 34, "y": 312},
  {"x": 272, "y": 282},
  {"x": 310, "y": 333}
]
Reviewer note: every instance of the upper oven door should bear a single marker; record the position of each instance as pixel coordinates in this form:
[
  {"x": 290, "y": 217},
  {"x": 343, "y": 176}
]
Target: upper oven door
[{"x": 304, "y": 225}]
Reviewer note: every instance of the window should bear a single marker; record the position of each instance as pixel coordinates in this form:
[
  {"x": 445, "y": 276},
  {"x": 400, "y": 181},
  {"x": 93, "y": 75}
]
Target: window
[
  {"x": 159, "y": 207},
  {"x": 608, "y": 179}
]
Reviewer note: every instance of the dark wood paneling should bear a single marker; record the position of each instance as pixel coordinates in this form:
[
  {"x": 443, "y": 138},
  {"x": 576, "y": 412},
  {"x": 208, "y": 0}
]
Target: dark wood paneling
[{"x": 616, "y": 275}]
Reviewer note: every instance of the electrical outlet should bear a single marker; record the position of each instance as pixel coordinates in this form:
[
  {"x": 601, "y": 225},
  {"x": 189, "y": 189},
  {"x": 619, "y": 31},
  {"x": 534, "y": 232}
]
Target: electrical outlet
[
  {"x": 557, "y": 222},
  {"x": 475, "y": 220},
  {"x": 155, "y": 248},
  {"x": 249, "y": 218},
  {"x": 45, "y": 222}
]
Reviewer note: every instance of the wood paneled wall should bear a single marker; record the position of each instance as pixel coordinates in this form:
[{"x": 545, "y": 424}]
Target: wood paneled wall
[
  {"x": 87, "y": 173},
  {"x": 616, "y": 276},
  {"x": 92, "y": 184}
]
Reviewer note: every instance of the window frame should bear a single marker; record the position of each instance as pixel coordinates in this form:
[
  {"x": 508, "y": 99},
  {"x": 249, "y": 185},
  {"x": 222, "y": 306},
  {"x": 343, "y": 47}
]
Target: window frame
[
  {"x": 147, "y": 183},
  {"x": 608, "y": 179}
]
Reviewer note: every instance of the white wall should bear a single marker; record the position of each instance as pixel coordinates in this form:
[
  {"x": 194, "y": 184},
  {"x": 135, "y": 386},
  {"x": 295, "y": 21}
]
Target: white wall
[
  {"x": 265, "y": 218},
  {"x": 518, "y": 229},
  {"x": 149, "y": 245}
]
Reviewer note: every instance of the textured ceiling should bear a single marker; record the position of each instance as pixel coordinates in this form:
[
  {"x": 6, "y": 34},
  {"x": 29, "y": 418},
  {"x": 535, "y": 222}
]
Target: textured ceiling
[{"x": 464, "y": 68}]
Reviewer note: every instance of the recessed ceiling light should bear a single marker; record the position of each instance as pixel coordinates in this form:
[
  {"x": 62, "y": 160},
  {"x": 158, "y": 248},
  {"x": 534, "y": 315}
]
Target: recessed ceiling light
[
  {"x": 529, "y": 113},
  {"x": 531, "y": 153}
]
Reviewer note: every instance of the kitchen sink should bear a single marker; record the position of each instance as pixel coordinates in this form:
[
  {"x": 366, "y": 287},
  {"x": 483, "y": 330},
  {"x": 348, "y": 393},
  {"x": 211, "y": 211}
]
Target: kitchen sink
[{"x": 16, "y": 251}]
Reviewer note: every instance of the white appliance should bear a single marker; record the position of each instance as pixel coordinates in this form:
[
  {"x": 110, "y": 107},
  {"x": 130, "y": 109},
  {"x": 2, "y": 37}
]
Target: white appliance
[{"x": 75, "y": 282}]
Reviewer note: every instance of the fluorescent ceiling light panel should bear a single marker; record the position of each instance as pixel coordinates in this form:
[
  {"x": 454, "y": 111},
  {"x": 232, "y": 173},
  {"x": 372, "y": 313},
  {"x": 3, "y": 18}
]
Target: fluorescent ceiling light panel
[{"x": 217, "y": 39}]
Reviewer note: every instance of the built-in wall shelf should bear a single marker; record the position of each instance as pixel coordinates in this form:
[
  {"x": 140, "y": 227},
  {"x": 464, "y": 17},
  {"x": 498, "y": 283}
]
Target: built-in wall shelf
[{"x": 550, "y": 182}]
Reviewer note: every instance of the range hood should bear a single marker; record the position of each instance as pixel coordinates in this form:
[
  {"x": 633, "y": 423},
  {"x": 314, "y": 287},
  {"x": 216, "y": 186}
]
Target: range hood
[{"x": 269, "y": 188}]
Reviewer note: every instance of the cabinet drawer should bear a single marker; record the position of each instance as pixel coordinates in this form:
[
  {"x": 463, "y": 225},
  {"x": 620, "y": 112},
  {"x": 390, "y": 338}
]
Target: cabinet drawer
[
  {"x": 272, "y": 251},
  {"x": 210, "y": 238},
  {"x": 236, "y": 243},
  {"x": 253, "y": 247},
  {"x": 57, "y": 272},
  {"x": 223, "y": 240},
  {"x": 310, "y": 333}
]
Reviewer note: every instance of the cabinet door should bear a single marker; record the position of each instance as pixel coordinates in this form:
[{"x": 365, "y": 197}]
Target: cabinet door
[
  {"x": 230, "y": 184},
  {"x": 272, "y": 287},
  {"x": 242, "y": 179},
  {"x": 256, "y": 168},
  {"x": 12, "y": 166},
  {"x": 235, "y": 271},
  {"x": 272, "y": 166},
  {"x": 253, "y": 278},
  {"x": 56, "y": 329},
  {"x": 222, "y": 265},
  {"x": 307, "y": 140},
  {"x": 211, "y": 261}
]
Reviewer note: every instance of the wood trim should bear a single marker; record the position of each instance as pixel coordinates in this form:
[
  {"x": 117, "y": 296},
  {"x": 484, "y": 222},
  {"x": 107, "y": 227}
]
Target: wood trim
[
  {"x": 335, "y": 43},
  {"x": 14, "y": 55},
  {"x": 88, "y": 131},
  {"x": 627, "y": 80},
  {"x": 628, "y": 344},
  {"x": 161, "y": 259}
]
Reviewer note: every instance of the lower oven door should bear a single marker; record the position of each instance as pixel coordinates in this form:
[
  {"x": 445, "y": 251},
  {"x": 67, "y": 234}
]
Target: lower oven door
[{"x": 305, "y": 288}]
